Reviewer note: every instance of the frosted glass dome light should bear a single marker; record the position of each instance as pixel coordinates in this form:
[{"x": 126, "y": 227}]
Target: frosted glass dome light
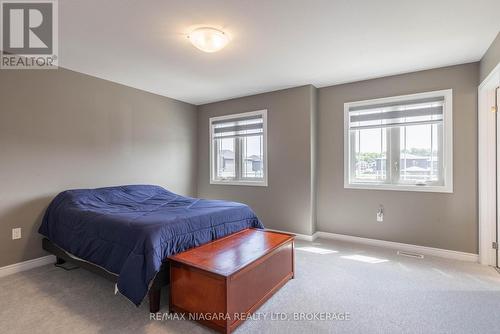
[{"x": 208, "y": 39}]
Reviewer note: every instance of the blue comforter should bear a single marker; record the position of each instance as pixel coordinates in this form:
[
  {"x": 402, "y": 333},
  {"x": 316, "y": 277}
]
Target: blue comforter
[{"x": 130, "y": 230}]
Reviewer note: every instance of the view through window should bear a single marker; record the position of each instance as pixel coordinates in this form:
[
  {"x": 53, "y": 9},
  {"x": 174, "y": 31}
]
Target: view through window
[
  {"x": 401, "y": 141},
  {"x": 238, "y": 146}
]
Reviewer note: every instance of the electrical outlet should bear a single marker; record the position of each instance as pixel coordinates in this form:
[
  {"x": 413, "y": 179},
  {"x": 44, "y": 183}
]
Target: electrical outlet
[
  {"x": 380, "y": 214},
  {"x": 16, "y": 233}
]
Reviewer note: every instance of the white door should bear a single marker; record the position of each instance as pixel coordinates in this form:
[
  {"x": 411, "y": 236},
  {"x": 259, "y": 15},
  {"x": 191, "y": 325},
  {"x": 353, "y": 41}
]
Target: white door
[{"x": 489, "y": 168}]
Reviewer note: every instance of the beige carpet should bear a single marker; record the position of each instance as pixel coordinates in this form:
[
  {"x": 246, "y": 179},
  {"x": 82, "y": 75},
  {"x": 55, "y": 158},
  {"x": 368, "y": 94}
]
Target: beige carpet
[{"x": 381, "y": 291}]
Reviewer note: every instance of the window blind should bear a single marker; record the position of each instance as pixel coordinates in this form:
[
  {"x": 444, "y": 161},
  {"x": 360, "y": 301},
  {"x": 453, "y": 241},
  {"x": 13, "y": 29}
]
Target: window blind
[
  {"x": 400, "y": 113},
  {"x": 238, "y": 127}
]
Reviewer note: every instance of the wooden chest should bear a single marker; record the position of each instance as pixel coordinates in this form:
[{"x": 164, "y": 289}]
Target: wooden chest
[{"x": 222, "y": 282}]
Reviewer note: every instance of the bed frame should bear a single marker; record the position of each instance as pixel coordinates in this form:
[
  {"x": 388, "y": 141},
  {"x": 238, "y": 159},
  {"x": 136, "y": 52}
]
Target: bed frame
[{"x": 161, "y": 279}]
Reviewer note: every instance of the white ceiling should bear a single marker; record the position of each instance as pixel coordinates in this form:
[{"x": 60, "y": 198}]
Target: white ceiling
[{"x": 275, "y": 43}]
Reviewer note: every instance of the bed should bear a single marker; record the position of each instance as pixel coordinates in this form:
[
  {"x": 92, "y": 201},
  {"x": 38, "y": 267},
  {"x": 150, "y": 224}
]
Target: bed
[{"x": 127, "y": 232}]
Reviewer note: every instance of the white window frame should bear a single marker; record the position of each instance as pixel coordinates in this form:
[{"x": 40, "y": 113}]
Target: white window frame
[
  {"x": 447, "y": 145},
  {"x": 239, "y": 182}
]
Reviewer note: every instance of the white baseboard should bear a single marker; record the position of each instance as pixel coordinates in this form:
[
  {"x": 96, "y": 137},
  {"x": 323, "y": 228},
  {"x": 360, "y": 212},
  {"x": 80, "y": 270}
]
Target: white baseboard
[
  {"x": 430, "y": 251},
  {"x": 297, "y": 235},
  {"x": 26, "y": 265}
]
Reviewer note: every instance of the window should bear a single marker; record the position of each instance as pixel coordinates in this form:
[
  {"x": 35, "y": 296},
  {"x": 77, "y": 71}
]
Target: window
[
  {"x": 400, "y": 143},
  {"x": 238, "y": 146}
]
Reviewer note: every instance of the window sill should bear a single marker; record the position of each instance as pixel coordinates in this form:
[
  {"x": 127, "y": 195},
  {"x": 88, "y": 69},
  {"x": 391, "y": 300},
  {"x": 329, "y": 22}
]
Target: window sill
[
  {"x": 414, "y": 188},
  {"x": 240, "y": 183}
]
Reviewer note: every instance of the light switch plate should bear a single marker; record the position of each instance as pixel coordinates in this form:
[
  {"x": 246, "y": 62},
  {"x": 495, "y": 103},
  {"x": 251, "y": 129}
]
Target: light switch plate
[{"x": 16, "y": 233}]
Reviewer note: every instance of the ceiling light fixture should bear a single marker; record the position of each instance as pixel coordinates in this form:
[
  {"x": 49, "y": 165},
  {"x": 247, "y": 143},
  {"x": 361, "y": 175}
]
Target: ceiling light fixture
[{"x": 208, "y": 39}]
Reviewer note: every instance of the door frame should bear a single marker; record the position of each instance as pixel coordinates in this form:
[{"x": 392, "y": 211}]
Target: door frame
[{"x": 487, "y": 170}]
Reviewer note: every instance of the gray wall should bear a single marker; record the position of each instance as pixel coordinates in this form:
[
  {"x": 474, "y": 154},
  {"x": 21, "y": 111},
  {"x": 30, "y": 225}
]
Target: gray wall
[
  {"x": 490, "y": 59},
  {"x": 446, "y": 221},
  {"x": 286, "y": 203},
  {"x": 306, "y": 164},
  {"x": 60, "y": 129}
]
